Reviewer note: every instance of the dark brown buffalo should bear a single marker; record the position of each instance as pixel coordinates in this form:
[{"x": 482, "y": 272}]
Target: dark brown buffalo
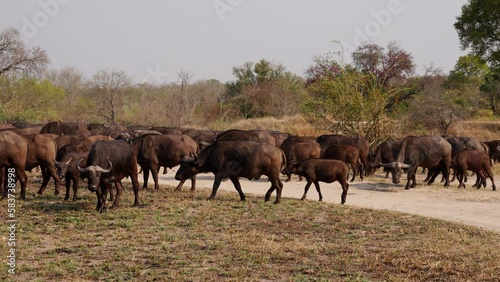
[
  {"x": 109, "y": 162},
  {"x": 297, "y": 139},
  {"x": 494, "y": 147},
  {"x": 111, "y": 130},
  {"x": 297, "y": 152},
  {"x": 6, "y": 126},
  {"x": 22, "y": 124},
  {"x": 168, "y": 130},
  {"x": 90, "y": 140},
  {"x": 279, "y": 137},
  {"x": 432, "y": 152},
  {"x": 13, "y": 154},
  {"x": 24, "y": 131},
  {"x": 65, "y": 140},
  {"x": 67, "y": 169},
  {"x": 234, "y": 159},
  {"x": 316, "y": 170},
  {"x": 65, "y": 128},
  {"x": 386, "y": 152},
  {"x": 167, "y": 150},
  {"x": 476, "y": 161},
  {"x": 347, "y": 154},
  {"x": 363, "y": 146},
  {"x": 247, "y": 135},
  {"x": 43, "y": 152}
]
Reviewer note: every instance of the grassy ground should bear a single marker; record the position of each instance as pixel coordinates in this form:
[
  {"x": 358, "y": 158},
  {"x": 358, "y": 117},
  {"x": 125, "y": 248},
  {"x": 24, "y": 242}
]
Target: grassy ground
[{"x": 183, "y": 237}]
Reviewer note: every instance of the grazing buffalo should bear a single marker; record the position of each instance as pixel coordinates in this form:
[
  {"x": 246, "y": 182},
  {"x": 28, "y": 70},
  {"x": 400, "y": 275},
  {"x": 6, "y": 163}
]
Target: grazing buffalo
[
  {"x": 234, "y": 159},
  {"x": 247, "y": 135},
  {"x": 65, "y": 128},
  {"x": 168, "y": 150},
  {"x": 474, "y": 160},
  {"x": 13, "y": 154},
  {"x": 347, "y": 154},
  {"x": 432, "y": 152},
  {"x": 109, "y": 162},
  {"x": 297, "y": 152},
  {"x": 315, "y": 170},
  {"x": 363, "y": 146},
  {"x": 43, "y": 152}
]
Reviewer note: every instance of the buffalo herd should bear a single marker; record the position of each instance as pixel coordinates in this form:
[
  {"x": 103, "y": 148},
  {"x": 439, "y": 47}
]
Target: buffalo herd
[{"x": 106, "y": 154}]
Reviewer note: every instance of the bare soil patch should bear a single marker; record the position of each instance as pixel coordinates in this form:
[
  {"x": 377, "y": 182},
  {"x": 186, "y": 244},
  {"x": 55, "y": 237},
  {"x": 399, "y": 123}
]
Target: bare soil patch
[{"x": 471, "y": 206}]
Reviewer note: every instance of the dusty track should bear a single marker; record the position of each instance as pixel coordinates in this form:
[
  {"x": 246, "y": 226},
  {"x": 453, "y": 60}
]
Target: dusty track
[{"x": 468, "y": 206}]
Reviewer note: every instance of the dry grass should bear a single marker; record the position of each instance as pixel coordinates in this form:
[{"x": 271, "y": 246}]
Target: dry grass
[
  {"x": 482, "y": 130},
  {"x": 296, "y": 125},
  {"x": 183, "y": 237}
]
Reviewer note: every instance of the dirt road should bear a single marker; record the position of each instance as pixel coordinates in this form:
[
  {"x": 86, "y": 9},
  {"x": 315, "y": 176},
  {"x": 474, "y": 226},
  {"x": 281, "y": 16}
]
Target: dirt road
[{"x": 468, "y": 206}]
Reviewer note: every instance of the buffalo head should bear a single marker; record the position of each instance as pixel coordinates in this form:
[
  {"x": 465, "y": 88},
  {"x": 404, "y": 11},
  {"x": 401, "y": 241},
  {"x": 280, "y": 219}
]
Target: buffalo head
[
  {"x": 94, "y": 173},
  {"x": 397, "y": 169}
]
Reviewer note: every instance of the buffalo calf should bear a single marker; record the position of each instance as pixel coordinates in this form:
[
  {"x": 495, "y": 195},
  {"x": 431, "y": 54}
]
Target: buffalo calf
[{"x": 315, "y": 170}]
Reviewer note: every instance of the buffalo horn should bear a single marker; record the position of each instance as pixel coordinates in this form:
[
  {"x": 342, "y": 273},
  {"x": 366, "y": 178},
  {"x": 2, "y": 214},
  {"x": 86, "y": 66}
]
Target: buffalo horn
[
  {"x": 82, "y": 170},
  {"x": 98, "y": 168}
]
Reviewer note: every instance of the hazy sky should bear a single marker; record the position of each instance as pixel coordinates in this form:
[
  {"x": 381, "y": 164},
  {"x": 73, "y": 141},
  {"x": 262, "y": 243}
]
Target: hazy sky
[{"x": 150, "y": 38}]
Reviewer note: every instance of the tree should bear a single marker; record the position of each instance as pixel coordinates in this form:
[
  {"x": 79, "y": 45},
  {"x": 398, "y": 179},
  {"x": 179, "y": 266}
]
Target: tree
[
  {"x": 264, "y": 89},
  {"x": 16, "y": 58},
  {"x": 436, "y": 107},
  {"x": 478, "y": 28},
  {"x": 108, "y": 90}
]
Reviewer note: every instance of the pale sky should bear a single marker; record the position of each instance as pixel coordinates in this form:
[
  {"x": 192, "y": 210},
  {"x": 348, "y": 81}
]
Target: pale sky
[{"x": 150, "y": 38}]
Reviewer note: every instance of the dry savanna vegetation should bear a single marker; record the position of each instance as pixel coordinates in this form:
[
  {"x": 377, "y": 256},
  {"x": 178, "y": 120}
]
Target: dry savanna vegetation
[{"x": 183, "y": 237}]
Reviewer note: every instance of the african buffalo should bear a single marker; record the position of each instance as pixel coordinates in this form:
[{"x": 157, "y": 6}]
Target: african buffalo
[
  {"x": 68, "y": 171},
  {"x": 109, "y": 162},
  {"x": 386, "y": 152},
  {"x": 13, "y": 154},
  {"x": 425, "y": 151},
  {"x": 297, "y": 152},
  {"x": 347, "y": 154},
  {"x": 315, "y": 170},
  {"x": 65, "y": 128},
  {"x": 474, "y": 160},
  {"x": 234, "y": 159},
  {"x": 43, "y": 152},
  {"x": 363, "y": 146},
  {"x": 168, "y": 150},
  {"x": 247, "y": 135}
]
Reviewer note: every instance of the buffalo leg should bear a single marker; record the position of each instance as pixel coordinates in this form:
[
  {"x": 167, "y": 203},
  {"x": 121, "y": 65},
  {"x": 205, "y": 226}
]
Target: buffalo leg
[
  {"x": 135, "y": 186},
  {"x": 277, "y": 185},
  {"x": 345, "y": 188},
  {"x": 75, "y": 188},
  {"x": 3, "y": 182},
  {"x": 193, "y": 183},
  {"x": 237, "y": 186},
  {"x": 179, "y": 186},
  {"x": 23, "y": 179},
  {"x": 316, "y": 184},
  {"x": 215, "y": 187},
  {"x": 411, "y": 178},
  {"x": 154, "y": 172},
  {"x": 46, "y": 178},
  {"x": 309, "y": 182},
  {"x": 67, "y": 183},
  {"x": 164, "y": 170},
  {"x": 145, "y": 175},
  {"x": 119, "y": 190}
]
